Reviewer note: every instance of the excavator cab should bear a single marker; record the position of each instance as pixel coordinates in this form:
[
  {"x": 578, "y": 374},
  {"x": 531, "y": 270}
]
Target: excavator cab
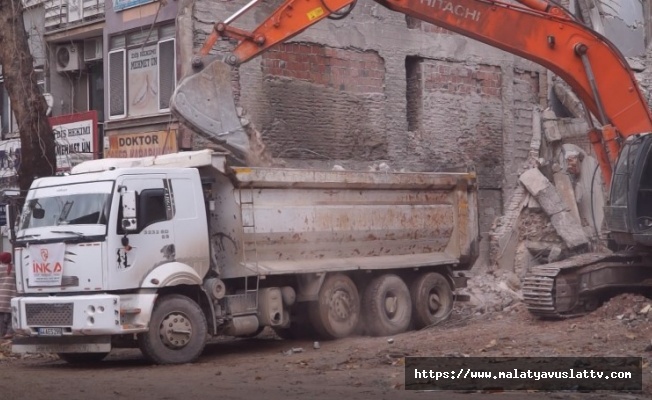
[{"x": 628, "y": 214}]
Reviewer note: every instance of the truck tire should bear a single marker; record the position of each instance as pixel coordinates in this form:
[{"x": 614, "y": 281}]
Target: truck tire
[
  {"x": 387, "y": 306},
  {"x": 336, "y": 313},
  {"x": 82, "y": 358},
  {"x": 177, "y": 331},
  {"x": 432, "y": 299}
]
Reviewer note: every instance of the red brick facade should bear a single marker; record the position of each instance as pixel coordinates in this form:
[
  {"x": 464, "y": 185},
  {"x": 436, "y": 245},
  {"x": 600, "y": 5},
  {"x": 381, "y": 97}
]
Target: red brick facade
[{"x": 346, "y": 70}]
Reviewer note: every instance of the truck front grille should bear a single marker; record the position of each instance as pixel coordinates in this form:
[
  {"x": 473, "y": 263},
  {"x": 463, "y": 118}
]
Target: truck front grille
[{"x": 55, "y": 314}]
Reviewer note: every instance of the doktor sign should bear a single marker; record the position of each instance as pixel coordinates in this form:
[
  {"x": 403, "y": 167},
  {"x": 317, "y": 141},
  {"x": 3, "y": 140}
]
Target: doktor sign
[{"x": 144, "y": 144}]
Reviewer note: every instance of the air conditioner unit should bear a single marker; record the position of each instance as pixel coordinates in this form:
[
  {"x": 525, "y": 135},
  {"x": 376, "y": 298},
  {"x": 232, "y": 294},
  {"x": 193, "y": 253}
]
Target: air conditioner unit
[
  {"x": 67, "y": 57},
  {"x": 93, "y": 49}
]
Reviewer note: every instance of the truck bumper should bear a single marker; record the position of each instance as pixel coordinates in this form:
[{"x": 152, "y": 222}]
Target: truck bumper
[
  {"x": 68, "y": 321},
  {"x": 69, "y": 344}
]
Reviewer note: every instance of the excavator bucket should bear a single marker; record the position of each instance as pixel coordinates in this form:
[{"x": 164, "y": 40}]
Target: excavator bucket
[{"x": 204, "y": 102}]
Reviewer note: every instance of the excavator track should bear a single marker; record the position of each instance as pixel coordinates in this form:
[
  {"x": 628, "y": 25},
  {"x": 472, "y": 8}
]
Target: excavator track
[{"x": 575, "y": 286}]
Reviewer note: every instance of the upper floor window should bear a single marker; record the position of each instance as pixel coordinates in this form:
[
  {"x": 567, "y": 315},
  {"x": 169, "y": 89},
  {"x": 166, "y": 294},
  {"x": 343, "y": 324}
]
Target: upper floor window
[{"x": 142, "y": 72}]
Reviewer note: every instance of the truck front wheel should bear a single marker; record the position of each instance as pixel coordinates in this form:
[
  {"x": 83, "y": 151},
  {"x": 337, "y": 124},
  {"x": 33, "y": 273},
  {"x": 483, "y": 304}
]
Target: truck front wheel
[{"x": 177, "y": 331}]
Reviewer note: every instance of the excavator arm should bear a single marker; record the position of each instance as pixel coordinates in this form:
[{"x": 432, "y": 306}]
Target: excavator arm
[{"x": 537, "y": 30}]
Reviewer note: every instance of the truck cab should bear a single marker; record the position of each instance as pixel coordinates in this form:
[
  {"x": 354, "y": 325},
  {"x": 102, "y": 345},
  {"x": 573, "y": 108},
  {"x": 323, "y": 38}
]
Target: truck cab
[{"x": 84, "y": 269}]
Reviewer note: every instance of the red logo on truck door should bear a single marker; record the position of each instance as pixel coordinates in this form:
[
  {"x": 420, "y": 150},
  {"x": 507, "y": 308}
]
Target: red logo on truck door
[{"x": 44, "y": 254}]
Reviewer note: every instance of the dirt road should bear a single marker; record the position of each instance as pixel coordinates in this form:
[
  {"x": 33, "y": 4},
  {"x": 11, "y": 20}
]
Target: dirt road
[{"x": 354, "y": 368}]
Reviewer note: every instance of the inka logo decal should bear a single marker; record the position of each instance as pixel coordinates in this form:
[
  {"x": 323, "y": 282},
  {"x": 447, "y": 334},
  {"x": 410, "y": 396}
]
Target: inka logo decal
[{"x": 44, "y": 254}]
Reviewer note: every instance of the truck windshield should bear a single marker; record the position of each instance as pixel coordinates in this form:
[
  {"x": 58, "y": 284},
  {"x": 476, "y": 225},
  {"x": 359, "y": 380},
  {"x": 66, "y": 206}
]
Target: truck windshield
[{"x": 69, "y": 205}]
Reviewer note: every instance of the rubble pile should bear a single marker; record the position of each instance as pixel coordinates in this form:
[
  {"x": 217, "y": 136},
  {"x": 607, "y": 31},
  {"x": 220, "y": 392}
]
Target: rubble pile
[
  {"x": 493, "y": 291},
  {"x": 627, "y": 308},
  {"x": 556, "y": 210}
]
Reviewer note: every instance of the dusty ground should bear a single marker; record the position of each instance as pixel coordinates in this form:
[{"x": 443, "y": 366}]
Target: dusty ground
[{"x": 354, "y": 368}]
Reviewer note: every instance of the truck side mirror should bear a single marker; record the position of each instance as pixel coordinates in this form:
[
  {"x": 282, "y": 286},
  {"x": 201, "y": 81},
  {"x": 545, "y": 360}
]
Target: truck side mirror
[
  {"x": 38, "y": 213},
  {"x": 129, "y": 214}
]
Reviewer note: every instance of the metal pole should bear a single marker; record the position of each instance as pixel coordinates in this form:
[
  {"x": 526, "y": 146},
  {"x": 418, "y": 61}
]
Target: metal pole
[
  {"x": 241, "y": 11},
  {"x": 581, "y": 50}
]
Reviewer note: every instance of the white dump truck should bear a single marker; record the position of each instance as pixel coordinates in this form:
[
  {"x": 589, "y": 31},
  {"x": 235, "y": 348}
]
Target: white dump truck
[{"x": 163, "y": 252}]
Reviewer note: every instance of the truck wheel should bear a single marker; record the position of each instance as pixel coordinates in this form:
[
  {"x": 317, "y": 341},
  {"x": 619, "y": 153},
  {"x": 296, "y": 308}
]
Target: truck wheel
[
  {"x": 336, "y": 313},
  {"x": 177, "y": 331},
  {"x": 82, "y": 358},
  {"x": 387, "y": 306},
  {"x": 432, "y": 298}
]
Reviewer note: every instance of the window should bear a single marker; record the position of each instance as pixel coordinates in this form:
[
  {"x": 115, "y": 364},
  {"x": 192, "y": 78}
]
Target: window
[
  {"x": 152, "y": 207},
  {"x": 8, "y": 126},
  {"x": 73, "y": 204},
  {"x": 142, "y": 72},
  {"x": 96, "y": 88}
]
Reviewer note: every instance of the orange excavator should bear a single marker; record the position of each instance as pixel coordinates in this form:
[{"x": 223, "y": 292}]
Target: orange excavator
[{"x": 537, "y": 30}]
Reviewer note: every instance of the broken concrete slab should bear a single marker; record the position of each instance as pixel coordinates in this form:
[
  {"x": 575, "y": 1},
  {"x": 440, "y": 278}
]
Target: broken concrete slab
[
  {"x": 569, "y": 229},
  {"x": 543, "y": 191},
  {"x": 551, "y": 127},
  {"x": 523, "y": 260},
  {"x": 568, "y": 98},
  {"x": 533, "y": 204},
  {"x": 550, "y": 252},
  {"x": 565, "y": 188},
  {"x": 565, "y": 223},
  {"x": 538, "y": 248},
  {"x": 573, "y": 128},
  {"x": 555, "y": 254}
]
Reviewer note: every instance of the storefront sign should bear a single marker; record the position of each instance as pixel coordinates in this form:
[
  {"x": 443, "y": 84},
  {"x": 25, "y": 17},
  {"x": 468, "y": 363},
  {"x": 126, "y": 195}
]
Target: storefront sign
[
  {"x": 76, "y": 140},
  {"x": 9, "y": 162},
  {"x": 144, "y": 144},
  {"x": 143, "y": 80},
  {"x": 119, "y": 5}
]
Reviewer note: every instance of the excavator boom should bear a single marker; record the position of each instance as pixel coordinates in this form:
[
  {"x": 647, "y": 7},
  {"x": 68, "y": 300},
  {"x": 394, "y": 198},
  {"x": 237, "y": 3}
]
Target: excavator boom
[{"x": 537, "y": 30}]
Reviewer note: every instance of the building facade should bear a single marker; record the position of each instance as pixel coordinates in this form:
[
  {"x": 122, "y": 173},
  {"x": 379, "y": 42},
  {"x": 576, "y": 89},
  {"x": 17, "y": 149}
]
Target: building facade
[{"x": 374, "y": 87}]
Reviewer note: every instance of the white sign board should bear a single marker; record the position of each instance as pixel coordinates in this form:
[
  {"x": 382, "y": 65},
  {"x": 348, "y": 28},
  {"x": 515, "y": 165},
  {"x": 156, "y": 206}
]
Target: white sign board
[
  {"x": 143, "y": 80},
  {"x": 74, "y": 143}
]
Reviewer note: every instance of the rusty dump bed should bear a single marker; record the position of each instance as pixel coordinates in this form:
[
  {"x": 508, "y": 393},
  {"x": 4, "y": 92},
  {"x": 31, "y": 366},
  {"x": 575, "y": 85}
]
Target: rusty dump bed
[{"x": 298, "y": 221}]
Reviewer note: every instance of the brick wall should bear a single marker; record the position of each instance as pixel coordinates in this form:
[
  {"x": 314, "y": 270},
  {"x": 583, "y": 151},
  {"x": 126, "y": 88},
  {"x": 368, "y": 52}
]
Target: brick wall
[
  {"x": 526, "y": 89},
  {"x": 454, "y": 111},
  {"x": 353, "y": 96},
  {"x": 322, "y": 102},
  {"x": 346, "y": 70}
]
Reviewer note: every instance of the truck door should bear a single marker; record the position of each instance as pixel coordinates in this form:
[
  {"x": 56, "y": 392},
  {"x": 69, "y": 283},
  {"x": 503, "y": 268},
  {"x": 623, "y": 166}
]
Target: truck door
[{"x": 152, "y": 244}]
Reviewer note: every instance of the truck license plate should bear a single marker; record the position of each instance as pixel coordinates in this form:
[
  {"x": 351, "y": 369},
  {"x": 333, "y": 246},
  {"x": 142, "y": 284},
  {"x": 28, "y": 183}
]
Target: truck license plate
[{"x": 50, "y": 331}]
